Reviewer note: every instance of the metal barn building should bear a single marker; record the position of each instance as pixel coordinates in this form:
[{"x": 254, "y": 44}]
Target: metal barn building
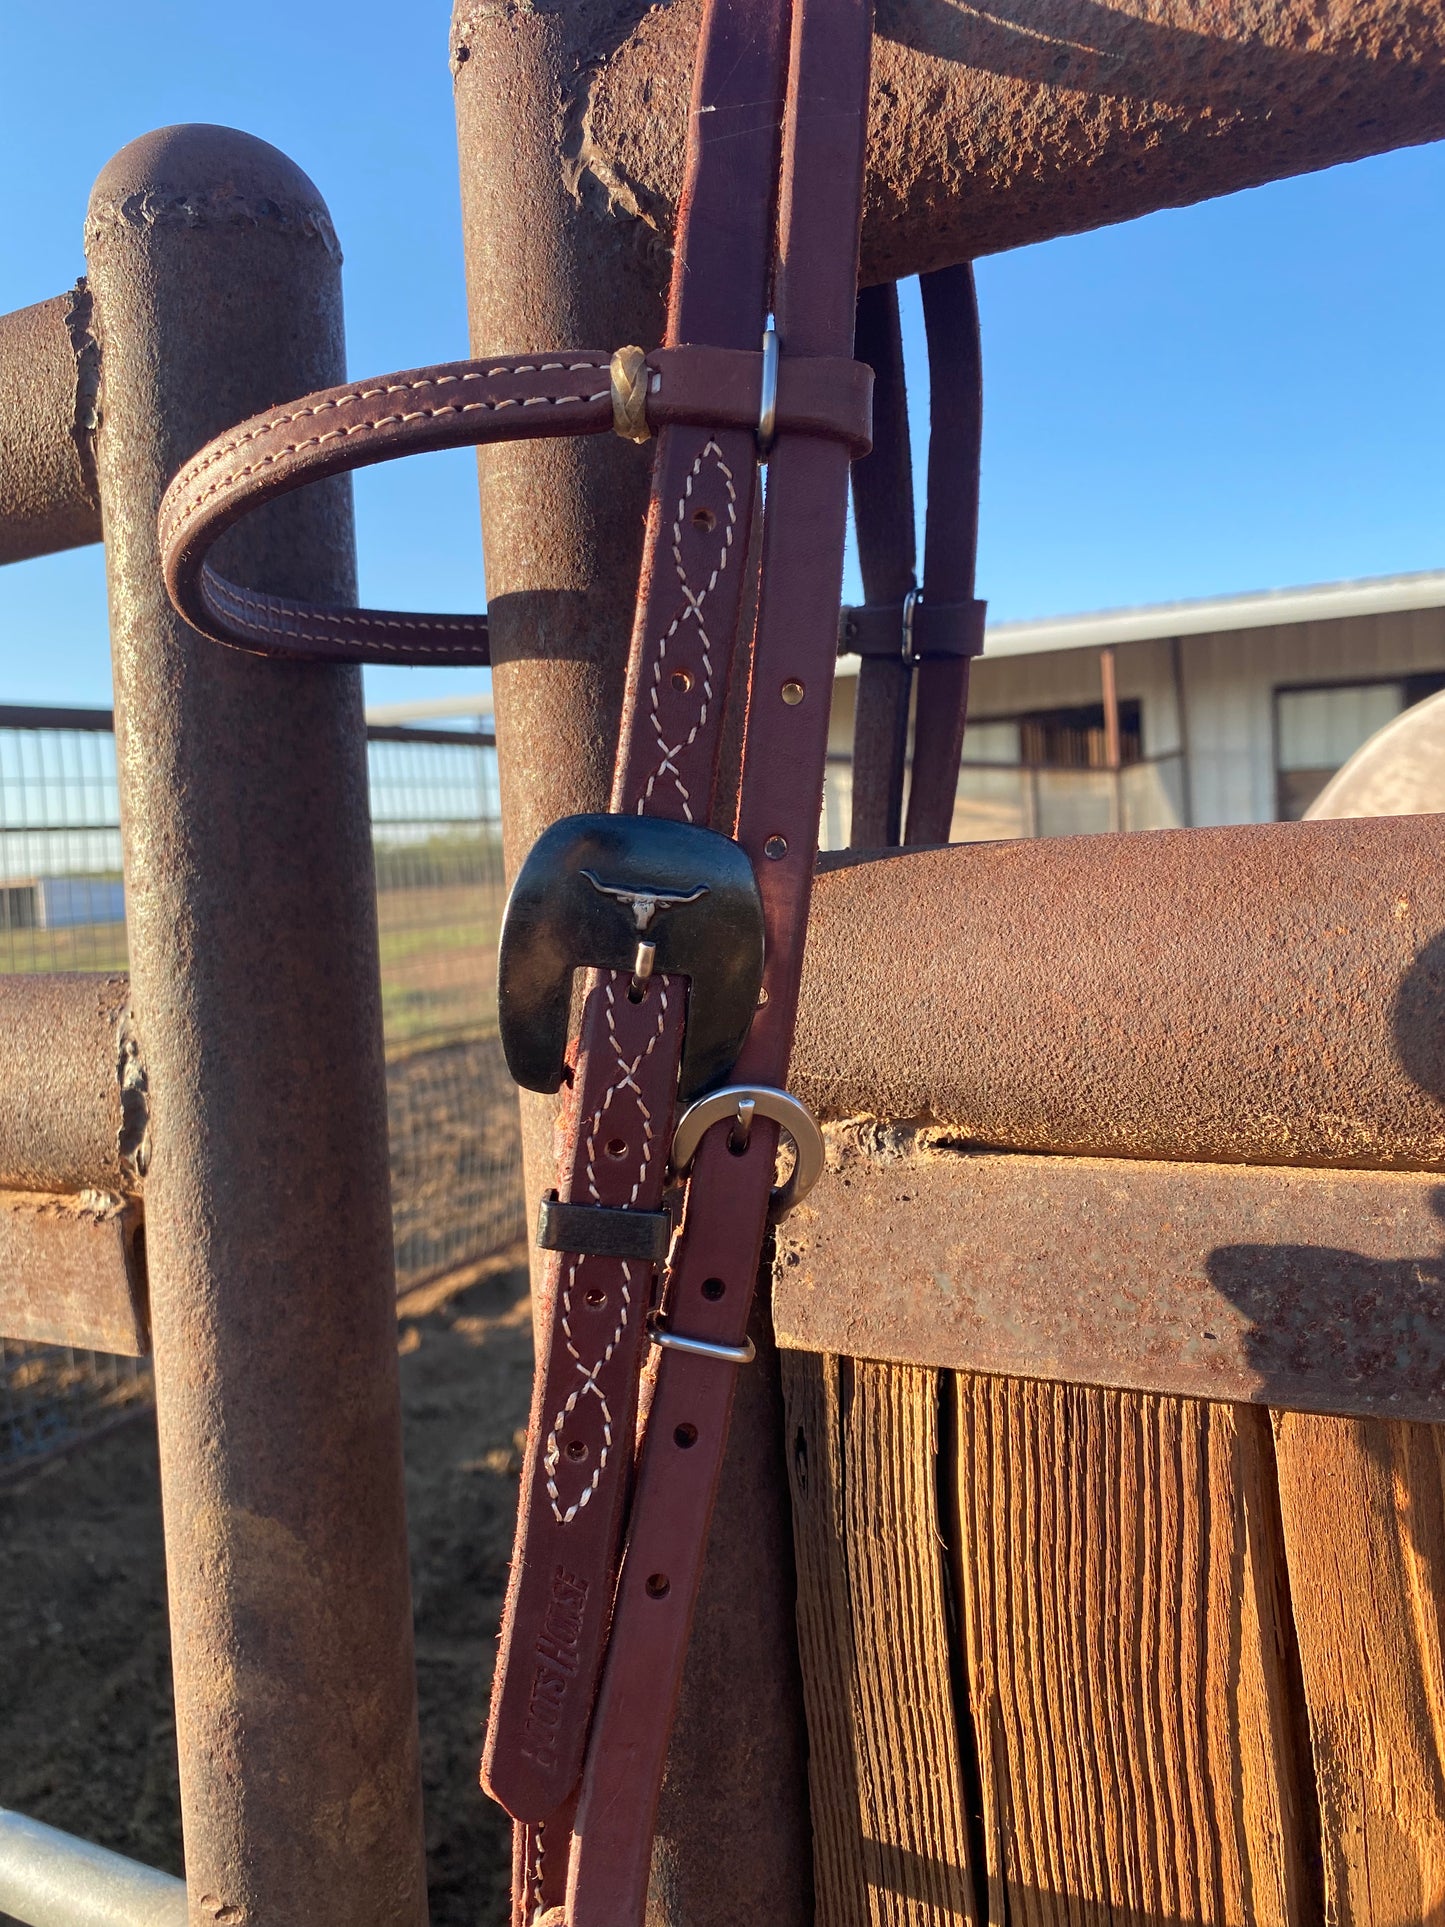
[{"x": 1237, "y": 709}]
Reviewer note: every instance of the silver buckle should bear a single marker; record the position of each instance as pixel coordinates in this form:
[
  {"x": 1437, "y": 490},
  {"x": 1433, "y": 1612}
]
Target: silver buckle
[{"x": 741, "y": 1103}]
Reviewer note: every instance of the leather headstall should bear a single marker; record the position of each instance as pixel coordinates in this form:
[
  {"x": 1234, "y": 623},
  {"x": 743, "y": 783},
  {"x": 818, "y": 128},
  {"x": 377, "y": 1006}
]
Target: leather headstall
[{"x": 674, "y": 1085}]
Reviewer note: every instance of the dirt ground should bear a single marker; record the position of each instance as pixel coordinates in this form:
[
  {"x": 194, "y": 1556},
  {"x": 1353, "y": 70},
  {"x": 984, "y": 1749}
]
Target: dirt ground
[{"x": 87, "y": 1738}]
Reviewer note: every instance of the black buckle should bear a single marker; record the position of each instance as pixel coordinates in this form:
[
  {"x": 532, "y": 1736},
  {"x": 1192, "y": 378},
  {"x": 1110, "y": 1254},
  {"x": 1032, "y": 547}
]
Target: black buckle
[{"x": 638, "y": 893}]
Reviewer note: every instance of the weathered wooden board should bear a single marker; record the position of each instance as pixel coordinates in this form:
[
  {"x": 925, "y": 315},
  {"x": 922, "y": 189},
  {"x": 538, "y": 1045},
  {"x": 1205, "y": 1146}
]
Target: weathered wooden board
[
  {"x": 1363, "y": 1508},
  {"x": 886, "y": 1767},
  {"x": 1139, "y": 1739}
]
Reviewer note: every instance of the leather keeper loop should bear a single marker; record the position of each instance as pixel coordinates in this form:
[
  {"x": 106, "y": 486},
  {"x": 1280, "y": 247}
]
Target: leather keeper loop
[
  {"x": 603, "y": 1231},
  {"x": 872, "y": 629},
  {"x": 947, "y": 630}
]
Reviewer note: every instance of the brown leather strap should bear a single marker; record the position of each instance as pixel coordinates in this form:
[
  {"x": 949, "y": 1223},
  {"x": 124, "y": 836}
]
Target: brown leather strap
[
  {"x": 883, "y": 519},
  {"x": 780, "y": 799},
  {"x": 946, "y": 640},
  {"x": 453, "y": 405},
  {"x": 704, "y": 488},
  {"x": 898, "y": 630}
]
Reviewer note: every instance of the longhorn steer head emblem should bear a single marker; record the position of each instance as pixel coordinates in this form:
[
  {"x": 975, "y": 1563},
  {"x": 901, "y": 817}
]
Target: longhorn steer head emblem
[
  {"x": 644, "y": 904},
  {"x": 593, "y": 894}
]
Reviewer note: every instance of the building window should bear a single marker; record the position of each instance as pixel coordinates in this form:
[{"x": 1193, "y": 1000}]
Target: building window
[
  {"x": 1319, "y": 730},
  {"x": 1045, "y": 772},
  {"x": 1075, "y": 738}
]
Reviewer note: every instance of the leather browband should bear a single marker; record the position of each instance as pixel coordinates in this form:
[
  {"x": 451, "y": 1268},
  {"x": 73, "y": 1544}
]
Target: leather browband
[{"x": 456, "y": 404}]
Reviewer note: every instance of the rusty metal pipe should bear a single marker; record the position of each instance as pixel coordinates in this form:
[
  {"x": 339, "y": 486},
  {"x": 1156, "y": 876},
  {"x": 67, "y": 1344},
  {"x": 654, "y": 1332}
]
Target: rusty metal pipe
[
  {"x": 992, "y": 127},
  {"x": 562, "y": 527},
  {"x": 73, "y": 1110},
  {"x": 254, "y": 973},
  {"x": 1268, "y": 994},
  {"x": 49, "y": 370}
]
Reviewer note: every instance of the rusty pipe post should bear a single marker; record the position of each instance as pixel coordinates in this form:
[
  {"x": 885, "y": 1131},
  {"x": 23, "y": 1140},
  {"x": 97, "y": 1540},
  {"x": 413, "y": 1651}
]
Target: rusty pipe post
[
  {"x": 254, "y": 973},
  {"x": 557, "y": 254},
  {"x": 48, "y": 374},
  {"x": 562, "y": 521}
]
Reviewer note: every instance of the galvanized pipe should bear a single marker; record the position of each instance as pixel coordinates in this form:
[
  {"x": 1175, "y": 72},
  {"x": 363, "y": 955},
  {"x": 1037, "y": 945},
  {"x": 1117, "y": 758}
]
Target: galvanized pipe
[
  {"x": 73, "y": 1106},
  {"x": 1269, "y": 994},
  {"x": 51, "y": 1879},
  {"x": 49, "y": 369},
  {"x": 255, "y": 978},
  {"x": 992, "y": 127},
  {"x": 562, "y": 527}
]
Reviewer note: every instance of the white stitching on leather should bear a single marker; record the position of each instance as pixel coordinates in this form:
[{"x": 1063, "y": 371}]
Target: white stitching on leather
[
  {"x": 225, "y": 598},
  {"x": 537, "y": 1831},
  {"x": 624, "y": 1079},
  {"x": 208, "y": 457},
  {"x": 233, "y": 476},
  {"x": 668, "y": 752}
]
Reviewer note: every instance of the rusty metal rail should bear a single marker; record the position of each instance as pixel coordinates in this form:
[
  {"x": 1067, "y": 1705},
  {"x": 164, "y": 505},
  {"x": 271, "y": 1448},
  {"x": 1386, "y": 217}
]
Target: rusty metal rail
[
  {"x": 994, "y": 127},
  {"x": 73, "y": 1107},
  {"x": 49, "y": 371},
  {"x": 1268, "y": 993},
  {"x": 72, "y": 1271},
  {"x": 1319, "y": 1291}
]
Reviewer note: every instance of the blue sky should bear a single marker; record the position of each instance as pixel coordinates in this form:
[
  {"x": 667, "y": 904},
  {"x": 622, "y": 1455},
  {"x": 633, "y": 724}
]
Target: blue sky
[{"x": 1242, "y": 395}]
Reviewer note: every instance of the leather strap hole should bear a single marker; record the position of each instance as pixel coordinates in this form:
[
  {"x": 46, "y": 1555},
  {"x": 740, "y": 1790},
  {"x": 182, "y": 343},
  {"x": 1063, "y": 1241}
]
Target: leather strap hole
[
  {"x": 596, "y": 1298},
  {"x": 658, "y": 1585},
  {"x": 617, "y": 1147},
  {"x": 705, "y": 520},
  {"x": 775, "y": 847},
  {"x": 685, "y": 1436},
  {"x": 713, "y": 1289},
  {"x": 681, "y": 681},
  {"x": 577, "y": 1451}
]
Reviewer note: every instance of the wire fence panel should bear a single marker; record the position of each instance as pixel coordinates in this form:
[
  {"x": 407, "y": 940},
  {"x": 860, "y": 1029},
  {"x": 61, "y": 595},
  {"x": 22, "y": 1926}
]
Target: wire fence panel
[{"x": 455, "y": 1150}]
